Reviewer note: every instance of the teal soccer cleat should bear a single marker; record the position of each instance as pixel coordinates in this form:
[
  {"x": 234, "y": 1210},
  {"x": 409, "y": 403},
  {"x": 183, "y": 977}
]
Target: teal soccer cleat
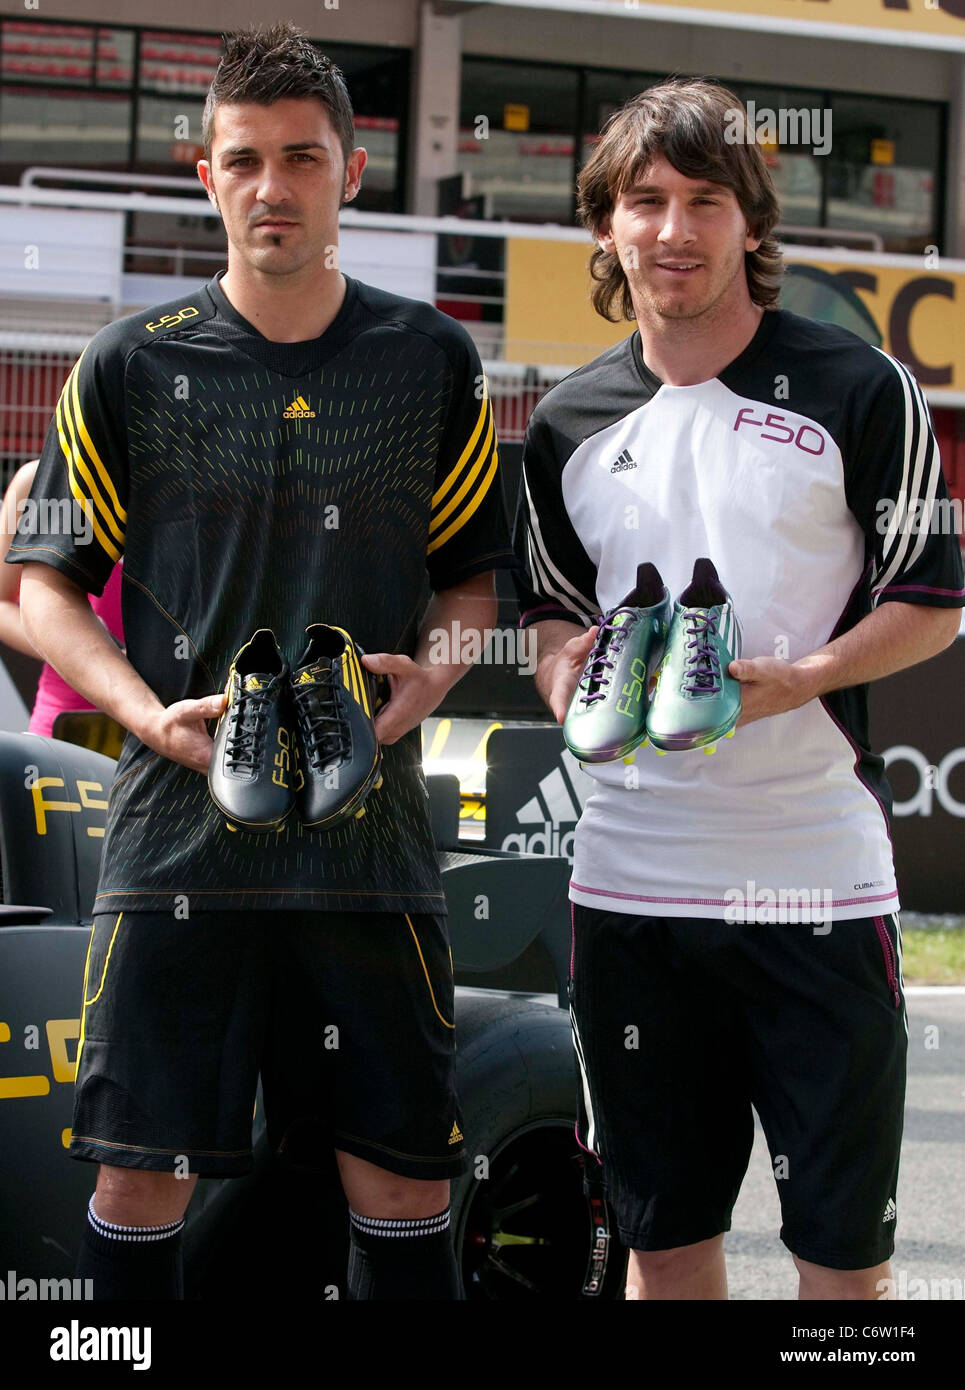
[
  {"x": 696, "y": 702},
  {"x": 607, "y": 717}
]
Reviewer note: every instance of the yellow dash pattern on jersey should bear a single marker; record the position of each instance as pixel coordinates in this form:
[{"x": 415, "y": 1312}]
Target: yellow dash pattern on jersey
[
  {"x": 86, "y": 472},
  {"x": 468, "y": 482}
]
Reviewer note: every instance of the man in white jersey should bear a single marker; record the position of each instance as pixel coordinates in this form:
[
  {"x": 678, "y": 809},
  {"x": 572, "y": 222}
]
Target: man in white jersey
[{"x": 802, "y": 462}]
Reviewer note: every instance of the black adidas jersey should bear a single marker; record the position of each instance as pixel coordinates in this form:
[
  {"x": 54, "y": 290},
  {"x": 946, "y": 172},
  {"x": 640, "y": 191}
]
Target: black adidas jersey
[
  {"x": 251, "y": 484},
  {"x": 807, "y": 470}
]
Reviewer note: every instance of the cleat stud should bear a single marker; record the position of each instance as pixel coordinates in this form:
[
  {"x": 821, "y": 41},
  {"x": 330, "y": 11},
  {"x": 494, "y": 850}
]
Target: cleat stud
[
  {"x": 377, "y": 784},
  {"x": 230, "y": 826},
  {"x": 730, "y": 733},
  {"x": 359, "y": 813},
  {"x": 661, "y": 752},
  {"x": 645, "y": 743},
  {"x": 629, "y": 758},
  {"x": 711, "y": 748}
]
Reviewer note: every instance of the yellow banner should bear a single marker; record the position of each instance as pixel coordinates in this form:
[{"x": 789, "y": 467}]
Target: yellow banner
[
  {"x": 928, "y": 19},
  {"x": 549, "y": 318}
]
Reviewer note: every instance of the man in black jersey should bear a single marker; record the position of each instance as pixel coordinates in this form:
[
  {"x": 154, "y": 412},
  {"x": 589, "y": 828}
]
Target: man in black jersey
[
  {"x": 282, "y": 447},
  {"x": 798, "y": 458}
]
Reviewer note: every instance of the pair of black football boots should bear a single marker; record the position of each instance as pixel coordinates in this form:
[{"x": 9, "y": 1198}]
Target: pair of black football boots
[{"x": 298, "y": 739}]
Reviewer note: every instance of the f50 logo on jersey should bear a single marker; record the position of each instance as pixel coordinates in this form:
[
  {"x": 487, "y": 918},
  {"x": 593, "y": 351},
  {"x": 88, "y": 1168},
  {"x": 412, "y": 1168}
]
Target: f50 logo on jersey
[
  {"x": 169, "y": 320},
  {"x": 804, "y": 437}
]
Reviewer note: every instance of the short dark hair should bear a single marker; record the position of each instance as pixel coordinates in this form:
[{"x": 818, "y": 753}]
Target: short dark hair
[
  {"x": 688, "y": 122},
  {"x": 268, "y": 64}
]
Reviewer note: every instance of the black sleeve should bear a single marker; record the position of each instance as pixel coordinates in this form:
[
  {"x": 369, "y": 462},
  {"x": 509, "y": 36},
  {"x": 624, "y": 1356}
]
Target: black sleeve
[
  {"x": 557, "y": 579},
  {"x": 896, "y": 490},
  {"x": 468, "y": 532},
  {"x": 75, "y": 516}
]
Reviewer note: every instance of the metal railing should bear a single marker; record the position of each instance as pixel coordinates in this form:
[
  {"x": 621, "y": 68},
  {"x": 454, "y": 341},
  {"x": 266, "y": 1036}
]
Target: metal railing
[
  {"x": 34, "y": 364},
  {"x": 30, "y": 383}
]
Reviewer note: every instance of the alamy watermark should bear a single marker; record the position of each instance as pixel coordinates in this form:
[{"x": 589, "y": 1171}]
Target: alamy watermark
[
  {"x": 918, "y": 1289},
  {"x": 56, "y": 516},
  {"x": 23, "y": 1290},
  {"x": 788, "y": 125},
  {"x": 938, "y": 516},
  {"x": 501, "y": 646},
  {"x": 780, "y": 906}
]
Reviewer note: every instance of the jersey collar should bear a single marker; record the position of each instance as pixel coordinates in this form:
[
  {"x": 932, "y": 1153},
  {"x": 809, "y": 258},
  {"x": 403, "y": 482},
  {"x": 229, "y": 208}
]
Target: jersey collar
[
  {"x": 762, "y": 336},
  {"x": 228, "y": 311}
]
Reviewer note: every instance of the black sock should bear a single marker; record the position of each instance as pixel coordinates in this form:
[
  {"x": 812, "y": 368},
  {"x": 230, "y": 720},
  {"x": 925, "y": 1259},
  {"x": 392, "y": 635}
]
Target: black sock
[
  {"x": 402, "y": 1259},
  {"x": 131, "y": 1262}
]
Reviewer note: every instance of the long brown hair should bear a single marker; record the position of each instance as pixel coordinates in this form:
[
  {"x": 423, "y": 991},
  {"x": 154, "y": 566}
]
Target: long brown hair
[{"x": 701, "y": 128}]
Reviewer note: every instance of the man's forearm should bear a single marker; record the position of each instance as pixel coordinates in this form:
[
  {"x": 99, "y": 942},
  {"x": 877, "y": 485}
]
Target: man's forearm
[
  {"x": 454, "y": 631},
  {"x": 893, "y": 637},
  {"x": 65, "y": 630}
]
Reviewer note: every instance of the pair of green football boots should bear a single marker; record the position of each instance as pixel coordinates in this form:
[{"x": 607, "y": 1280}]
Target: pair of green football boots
[{"x": 688, "y": 645}]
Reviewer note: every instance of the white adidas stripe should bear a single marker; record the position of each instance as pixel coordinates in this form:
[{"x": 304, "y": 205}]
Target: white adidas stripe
[
  {"x": 919, "y": 481},
  {"x": 558, "y": 586},
  {"x": 591, "y": 1122}
]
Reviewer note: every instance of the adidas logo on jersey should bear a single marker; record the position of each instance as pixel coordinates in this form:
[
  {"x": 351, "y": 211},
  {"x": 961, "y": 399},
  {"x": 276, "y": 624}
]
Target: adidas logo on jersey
[
  {"x": 891, "y": 1211},
  {"x": 623, "y": 463},
  {"x": 456, "y": 1136},
  {"x": 299, "y": 410}
]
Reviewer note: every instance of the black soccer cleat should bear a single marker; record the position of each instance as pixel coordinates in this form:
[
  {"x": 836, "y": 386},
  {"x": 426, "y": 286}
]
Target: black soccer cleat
[
  {"x": 250, "y": 774},
  {"x": 338, "y": 758}
]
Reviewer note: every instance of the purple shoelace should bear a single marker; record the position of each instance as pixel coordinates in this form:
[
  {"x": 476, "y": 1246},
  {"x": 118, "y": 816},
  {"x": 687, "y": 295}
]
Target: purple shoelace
[
  {"x": 598, "y": 661},
  {"x": 702, "y": 674}
]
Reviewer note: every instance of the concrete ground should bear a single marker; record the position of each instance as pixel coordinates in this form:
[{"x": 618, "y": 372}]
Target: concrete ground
[{"x": 930, "y": 1237}]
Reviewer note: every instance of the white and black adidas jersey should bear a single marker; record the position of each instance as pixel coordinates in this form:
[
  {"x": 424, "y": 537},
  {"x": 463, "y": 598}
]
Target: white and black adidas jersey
[{"x": 807, "y": 471}]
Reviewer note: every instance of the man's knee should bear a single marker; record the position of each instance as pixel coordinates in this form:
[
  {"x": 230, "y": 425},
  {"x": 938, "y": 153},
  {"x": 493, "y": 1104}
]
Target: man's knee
[
  {"x": 821, "y": 1282},
  {"x": 141, "y": 1197},
  {"x": 680, "y": 1259},
  {"x": 373, "y": 1191}
]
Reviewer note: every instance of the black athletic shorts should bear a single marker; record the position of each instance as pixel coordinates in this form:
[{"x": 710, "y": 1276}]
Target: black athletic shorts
[
  {"x": 681, "y": 1025},
  {"x": 347, "y": 1016}
]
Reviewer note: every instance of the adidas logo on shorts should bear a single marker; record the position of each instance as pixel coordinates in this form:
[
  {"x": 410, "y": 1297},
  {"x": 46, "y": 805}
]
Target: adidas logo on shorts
[{"x": 891, "y": 1211}]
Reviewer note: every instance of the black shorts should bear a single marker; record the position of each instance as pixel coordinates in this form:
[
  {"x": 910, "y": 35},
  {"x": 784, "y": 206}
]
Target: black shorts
[
  {"x": 681, "y": 1025},
  {"x": 347, "y": 1016}
]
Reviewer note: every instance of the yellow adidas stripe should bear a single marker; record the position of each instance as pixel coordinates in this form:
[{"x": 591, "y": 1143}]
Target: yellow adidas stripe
[
  {"x": 484, "y": 456},
  {"x": 467, "y": 512},
  {"x": 86, "y": 1001},
  {"x": 77, "y": 417},
  {"x": 95, "y": 457},
  {"x": 467, "y": 452},
  {"x": 425, "y": 972},
  {"x": 362, "y": 683},
  {"x": 70, "y": 421},
  {"x": 83, "y": 497},
  {"x": 353, "y": 673}
]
